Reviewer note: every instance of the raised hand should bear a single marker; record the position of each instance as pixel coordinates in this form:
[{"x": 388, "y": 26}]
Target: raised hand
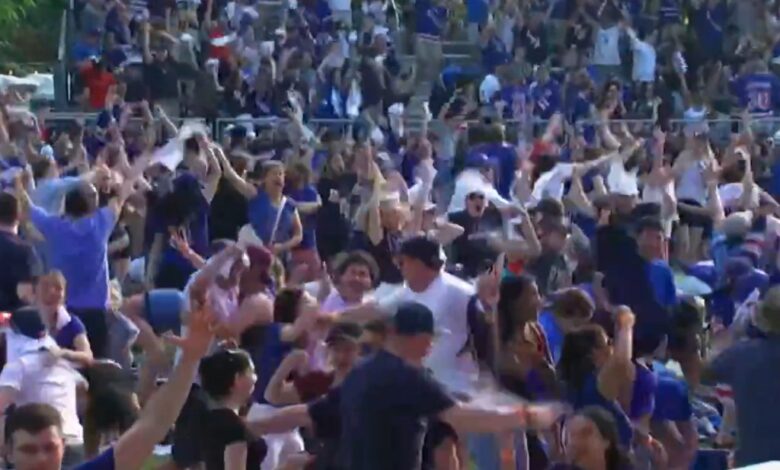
[{"x": 200, "y": 331}]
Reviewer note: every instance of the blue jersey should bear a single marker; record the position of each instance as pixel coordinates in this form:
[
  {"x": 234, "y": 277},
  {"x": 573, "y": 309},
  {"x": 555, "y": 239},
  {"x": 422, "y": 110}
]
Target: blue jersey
[
  {"x": 516, "y": 99},
  {"x": 546, "y": 98},
  {"x": 758, "y": 92},
  {"x": 503, "y": 158}
]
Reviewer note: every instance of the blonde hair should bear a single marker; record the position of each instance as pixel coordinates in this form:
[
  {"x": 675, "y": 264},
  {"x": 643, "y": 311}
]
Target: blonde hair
[{"x": 54, "y": 275}]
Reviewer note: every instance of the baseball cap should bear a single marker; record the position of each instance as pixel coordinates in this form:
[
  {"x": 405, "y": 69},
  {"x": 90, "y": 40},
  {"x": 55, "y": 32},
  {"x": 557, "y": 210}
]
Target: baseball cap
[
  {"x": 413, "y": 318},
  {"x": 423, "y": 249},
  {"x": 27, "y": 321},
  {"x": 478, "y": 160},
  {"x": 345, "y": 331},
  {"x": 259, "y": 257}
]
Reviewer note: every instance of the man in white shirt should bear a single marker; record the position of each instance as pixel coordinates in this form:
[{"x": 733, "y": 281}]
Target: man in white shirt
[
  {"x": 447, "y": 297},
  {"x": 643, "y": 45},
  {"x": 39, "y": 376},
  {"x": 606, "y": 49}
]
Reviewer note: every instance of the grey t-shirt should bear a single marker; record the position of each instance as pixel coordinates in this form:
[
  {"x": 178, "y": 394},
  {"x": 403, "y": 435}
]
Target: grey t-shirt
[{"x": 752, "y": 369}]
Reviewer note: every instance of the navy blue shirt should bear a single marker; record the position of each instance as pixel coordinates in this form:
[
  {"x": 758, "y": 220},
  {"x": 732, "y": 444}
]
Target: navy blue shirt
[
  {"x": 385, "y": 405},
  {"x": 430, "y": 18}
]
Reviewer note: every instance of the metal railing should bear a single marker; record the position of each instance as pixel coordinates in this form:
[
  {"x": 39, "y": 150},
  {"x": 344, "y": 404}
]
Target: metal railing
[
  {"x": 61, "y": 72},
  {"x": 514, "y": 130}
]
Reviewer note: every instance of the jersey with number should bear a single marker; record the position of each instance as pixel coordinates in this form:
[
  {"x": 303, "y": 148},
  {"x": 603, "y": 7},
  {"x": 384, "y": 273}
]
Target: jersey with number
[
  {"x": 546, "y": 97},
  {"x": 758, "y": 92}
]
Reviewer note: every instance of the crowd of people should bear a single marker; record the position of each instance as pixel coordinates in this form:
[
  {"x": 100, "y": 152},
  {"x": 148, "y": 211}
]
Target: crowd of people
[{"x": 564, "y": 263}]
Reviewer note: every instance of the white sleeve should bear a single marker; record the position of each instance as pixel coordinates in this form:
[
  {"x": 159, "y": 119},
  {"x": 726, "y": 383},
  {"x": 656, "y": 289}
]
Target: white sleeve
[
  {"x": 12, "y": 375},
  {"x": 497, "y": 199},
  {"x": 388, "y": 304},
  {"x": 564, "y": 171}
]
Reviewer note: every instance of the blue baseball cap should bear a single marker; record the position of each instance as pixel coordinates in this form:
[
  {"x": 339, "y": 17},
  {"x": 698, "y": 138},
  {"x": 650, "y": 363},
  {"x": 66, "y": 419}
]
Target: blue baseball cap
[{"x": 413, "y": 318}]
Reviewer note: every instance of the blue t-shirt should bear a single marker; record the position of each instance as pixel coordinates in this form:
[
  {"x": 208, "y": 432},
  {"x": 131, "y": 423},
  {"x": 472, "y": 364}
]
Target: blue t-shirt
[
  {"x": 430, "y": 18},
  {"x": 662, "y": 281},
  {"x": 477, "y": 11},
  {"x": 710, "y": 24},
  {"x": 672, "y": 400},
  {"x": 104, "y": 461},
  {"x": 66, "y": 336},
  {"x": 590, "y": 395},
  {"x": 78, "y": 248},
  {"x": 263, "y": 216},
  {"x": 309, "y": 221}
]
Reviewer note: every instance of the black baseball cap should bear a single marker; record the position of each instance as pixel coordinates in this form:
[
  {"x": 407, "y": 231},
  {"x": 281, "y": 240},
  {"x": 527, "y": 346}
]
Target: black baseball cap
[
  {"x": 27, "y": 321},
  {"x": 424, "y": 249},
  {"x": 413, "y": 318},
  {"x": 344, "y": 331}
]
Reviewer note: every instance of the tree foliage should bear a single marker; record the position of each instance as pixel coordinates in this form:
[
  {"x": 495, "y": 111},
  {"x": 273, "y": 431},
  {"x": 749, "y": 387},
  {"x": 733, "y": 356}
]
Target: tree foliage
[
  {"x": 12, "y": 12},
  {"x": 29, "y": 29}
]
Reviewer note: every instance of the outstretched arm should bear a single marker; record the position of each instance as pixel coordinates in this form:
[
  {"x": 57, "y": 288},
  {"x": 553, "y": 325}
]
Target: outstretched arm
[{"x": 136, "y": 445}]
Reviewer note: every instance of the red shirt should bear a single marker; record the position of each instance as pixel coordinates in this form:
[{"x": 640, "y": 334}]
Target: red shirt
[
  {"x": 218, "y": 52},
  {"x": 98, "y": 82}
]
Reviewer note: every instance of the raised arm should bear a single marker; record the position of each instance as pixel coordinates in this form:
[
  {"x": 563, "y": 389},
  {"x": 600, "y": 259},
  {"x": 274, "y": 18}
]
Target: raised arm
[
  {"x": 619, "y": 370},
  {"x": 280, "y": 391},
  {"x": 136, "y": 445},
  {"x": 241, "y": 185}
]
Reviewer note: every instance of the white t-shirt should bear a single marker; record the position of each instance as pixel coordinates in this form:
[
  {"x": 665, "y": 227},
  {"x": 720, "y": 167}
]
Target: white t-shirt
[
  {"x": 644, "y": 61},
  {"x": 658, "y": 195},
  {"x": 621, "y": 181},
  {"x": 690, "y": 185},
  {"x": 447, "y": 297},
  {"x": 551, "y": 184},
  {"x": 606, "y": 51},
  {"x": 35, "y": 380},
  {"x": 731, "y": 194}
]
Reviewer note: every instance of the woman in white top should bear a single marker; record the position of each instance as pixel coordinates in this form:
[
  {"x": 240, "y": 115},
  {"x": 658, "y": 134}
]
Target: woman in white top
[{"x": 693, "y": 171}]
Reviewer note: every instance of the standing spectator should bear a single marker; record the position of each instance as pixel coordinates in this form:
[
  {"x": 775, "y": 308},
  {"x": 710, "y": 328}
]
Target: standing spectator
[
  {"x": 67, "y": 330},
  {"x": 99, "y": 84},
  {"x": 431, "y": 18},
  {"x": 533, "y": 38},
  {"x": 606, "y": 48},
  {"x": 22, "y": 264},
  {"x": 77, "y": 243},
  {"x": 307, "y": 202},
  {"x": 37, "y": 377},
  {"x": 744, "y": 366}
]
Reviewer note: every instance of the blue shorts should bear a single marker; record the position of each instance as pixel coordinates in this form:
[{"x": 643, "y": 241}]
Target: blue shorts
[{"x": 163, "y": 309}]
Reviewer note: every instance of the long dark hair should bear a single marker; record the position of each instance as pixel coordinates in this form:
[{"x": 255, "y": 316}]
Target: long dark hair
[
  {"x": 511, "y": 290},
  {"x": 576, "y": 362},
  {"x": 615, "y": 456}
]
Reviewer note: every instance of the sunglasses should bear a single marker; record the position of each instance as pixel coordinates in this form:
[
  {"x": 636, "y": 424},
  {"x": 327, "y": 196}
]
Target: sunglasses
[{"x": 475, "y": 196}]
